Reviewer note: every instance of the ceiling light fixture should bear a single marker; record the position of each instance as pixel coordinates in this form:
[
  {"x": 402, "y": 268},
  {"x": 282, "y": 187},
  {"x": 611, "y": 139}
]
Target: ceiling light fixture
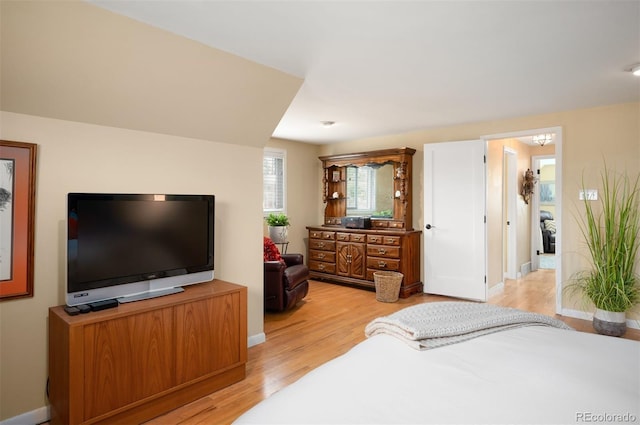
[
  {"x": 543, "y": 139},
  {"x": 635, "y": 70},
  {"x": 327, "y": 123}
]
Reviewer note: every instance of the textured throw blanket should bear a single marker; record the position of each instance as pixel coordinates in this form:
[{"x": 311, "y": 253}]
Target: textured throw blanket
[{"x": 432, "y": 325}]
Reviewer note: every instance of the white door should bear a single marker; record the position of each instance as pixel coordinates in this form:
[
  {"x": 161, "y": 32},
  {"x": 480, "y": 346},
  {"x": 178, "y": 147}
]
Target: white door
[
  {"x": 454, "y": 217},
  {"x": 510, "y": 192}
]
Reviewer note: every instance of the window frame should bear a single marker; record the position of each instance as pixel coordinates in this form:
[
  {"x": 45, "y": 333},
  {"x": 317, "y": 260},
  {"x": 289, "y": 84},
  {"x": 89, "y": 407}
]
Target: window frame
[{"x": 275, "y": 153}]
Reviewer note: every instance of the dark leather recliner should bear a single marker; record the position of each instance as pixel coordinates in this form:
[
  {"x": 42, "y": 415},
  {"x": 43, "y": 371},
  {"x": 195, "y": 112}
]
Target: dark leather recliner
[
  {"x": 548, "y": 237},
  {"x": 285, "y": 285}
]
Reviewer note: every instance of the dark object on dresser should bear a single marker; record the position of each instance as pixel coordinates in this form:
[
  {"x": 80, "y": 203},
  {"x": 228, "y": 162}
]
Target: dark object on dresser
[
  {"x": 285, "y": 284},
  {"x": 548, "y": 228},
  {"x": 356, "y": 222}
]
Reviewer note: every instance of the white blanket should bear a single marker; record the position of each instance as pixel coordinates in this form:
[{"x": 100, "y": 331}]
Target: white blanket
[{"x": 432, "y": 325}]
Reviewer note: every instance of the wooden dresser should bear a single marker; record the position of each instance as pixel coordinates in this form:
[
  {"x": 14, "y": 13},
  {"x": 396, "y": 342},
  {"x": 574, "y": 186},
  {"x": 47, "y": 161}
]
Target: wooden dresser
[
  {"x": 376, "y": 185},
  {"x": 139, "y": 360},
  {"x": 351, "y": 256}
]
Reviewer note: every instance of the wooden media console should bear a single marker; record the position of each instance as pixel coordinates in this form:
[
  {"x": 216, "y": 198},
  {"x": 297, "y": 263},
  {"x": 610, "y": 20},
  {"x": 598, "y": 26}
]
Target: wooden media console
[{"x": 139, "y": 360}]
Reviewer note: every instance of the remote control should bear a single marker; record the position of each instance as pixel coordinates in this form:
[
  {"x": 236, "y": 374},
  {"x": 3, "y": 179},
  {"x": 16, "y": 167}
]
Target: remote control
[
  {"x": 72, "y": 311},
  {"x": 83, "y": 308},
  {"x": 103, "y": 305}
]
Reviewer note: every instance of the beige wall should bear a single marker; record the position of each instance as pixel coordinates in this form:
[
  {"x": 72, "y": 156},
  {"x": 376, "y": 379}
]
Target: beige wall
[
  {"x": 83, "y": 157},
  {"x": 202, "y": 115},
  {"x": 589, "y": 136},
  {"x": 304, "y": 191}
]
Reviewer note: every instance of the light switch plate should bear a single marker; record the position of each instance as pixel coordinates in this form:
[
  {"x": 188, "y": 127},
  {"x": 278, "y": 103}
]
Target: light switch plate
[{"x": 589, "y": 194}]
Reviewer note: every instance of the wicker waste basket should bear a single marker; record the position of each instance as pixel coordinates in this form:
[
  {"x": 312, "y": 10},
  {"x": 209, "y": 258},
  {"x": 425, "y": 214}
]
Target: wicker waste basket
[{"x": 387, "y": 286}]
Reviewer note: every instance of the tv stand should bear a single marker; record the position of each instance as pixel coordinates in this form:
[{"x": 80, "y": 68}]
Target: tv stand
[
  {"x": 150, "y": 294},
  {"x": 139, "y": 360}
]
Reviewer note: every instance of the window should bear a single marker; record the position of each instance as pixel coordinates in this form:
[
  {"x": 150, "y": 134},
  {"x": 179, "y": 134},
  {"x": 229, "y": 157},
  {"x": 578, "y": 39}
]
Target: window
[
  {"x": 361, "y": 190},
  {"x": 273, "y": 180}
]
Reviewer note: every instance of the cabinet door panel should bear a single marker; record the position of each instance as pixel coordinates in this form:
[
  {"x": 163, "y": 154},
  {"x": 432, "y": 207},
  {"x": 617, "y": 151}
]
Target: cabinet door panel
[
  {"x": 357, "y": 261},
  {"x": 199, "y": 353},
  {"x": 351, "y": 260},
  {"x": 119, "y": 353},
  {"x": 343, "y": 259}
]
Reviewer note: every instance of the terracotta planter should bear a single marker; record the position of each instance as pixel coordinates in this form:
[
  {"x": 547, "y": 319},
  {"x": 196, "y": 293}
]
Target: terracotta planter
[{"x": 610, "y": 322}]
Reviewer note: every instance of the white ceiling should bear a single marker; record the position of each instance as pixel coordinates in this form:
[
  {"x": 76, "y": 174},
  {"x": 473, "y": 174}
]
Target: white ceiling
[{"x": 388, "y": 67}]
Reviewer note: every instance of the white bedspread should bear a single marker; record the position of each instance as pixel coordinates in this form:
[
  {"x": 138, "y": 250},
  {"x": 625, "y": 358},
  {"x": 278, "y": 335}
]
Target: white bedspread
[{"x": 534, "y": 375}]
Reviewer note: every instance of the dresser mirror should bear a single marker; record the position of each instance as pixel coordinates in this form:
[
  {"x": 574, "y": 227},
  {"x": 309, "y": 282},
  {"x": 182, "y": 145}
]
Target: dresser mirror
[
  {"x": 374, "y": 184},
  {"x": 370, "y": 191}
]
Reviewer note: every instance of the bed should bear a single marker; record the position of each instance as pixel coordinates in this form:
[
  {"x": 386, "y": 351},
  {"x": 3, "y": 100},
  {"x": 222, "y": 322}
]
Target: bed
[{"x": 538, "y": 372}]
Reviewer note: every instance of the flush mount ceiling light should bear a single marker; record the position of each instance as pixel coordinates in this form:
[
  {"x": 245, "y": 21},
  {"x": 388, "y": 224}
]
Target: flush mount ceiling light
[
  {"x": 635, "y": 70},
  {"x": 543, "y": 139}
]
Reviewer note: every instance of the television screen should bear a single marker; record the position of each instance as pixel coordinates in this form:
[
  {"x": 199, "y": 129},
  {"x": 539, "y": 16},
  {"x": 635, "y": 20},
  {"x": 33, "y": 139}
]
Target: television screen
[{"x": 120, "y": 245}]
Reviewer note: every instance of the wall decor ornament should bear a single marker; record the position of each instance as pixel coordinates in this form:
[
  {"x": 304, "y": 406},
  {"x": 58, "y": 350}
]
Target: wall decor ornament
[
  {"x": 17, "y": 215},
  {"x": 528, "y": 182}
]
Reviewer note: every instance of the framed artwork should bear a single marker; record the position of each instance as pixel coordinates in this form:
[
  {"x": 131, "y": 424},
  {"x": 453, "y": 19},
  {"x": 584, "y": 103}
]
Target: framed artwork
[
  {"x": 547, "y": 193},
  {"x": 17, "y": 215}
]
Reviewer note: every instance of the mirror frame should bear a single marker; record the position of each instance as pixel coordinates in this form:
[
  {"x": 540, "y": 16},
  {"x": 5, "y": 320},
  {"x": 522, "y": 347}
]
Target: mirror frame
[{"x": 334, "y": 183}]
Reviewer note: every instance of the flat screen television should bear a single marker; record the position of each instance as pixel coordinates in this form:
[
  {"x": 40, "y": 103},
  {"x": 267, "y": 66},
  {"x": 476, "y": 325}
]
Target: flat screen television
[{"x": 136, "y": 246}]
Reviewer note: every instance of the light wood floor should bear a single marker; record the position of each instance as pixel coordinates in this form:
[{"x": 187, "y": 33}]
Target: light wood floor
[{"x": 327, "y": 324}]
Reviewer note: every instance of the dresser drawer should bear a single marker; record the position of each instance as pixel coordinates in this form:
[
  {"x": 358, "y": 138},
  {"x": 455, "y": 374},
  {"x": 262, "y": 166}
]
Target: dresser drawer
[
  {"x": 381, "y": 264},
  {"x": 350, "y": 237},
  {"x": 319, "y": 234},
  {"x": 383, "y": 240},
  {"x": 322, "y": 245},
  {"x": 327, "y": 256},
  {"x": 391, "y": 240},
  {"x": 320, "y": 266},
  {"x": 383, "y": 251}
]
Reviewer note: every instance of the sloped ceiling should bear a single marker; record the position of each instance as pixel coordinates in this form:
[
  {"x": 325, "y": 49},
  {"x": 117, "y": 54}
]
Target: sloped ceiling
[
  {"x": 387, "y": 67},
  {"x": 75, "y": 61}
]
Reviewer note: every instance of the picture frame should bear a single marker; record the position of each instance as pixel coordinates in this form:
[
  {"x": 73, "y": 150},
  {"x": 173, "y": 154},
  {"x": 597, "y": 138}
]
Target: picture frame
[
  {"x": 17, "y": 218},
  {"x": 547, "y": 192},
  {"x": 335, "y": 176}
]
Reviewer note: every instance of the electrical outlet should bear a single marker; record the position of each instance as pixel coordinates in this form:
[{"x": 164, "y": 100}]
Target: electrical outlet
[{"x": 589, "y": 195}]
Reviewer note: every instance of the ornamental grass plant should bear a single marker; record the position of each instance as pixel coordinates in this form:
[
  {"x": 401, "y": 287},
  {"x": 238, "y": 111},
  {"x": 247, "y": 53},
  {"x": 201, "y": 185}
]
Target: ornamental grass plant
[{"x": 610, "y": 228}]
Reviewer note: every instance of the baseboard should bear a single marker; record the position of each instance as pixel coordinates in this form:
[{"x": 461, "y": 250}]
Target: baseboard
[
  {"x": 37, "y": 416},
  {"x": 253, "y": 340},
  {"x": 585, "y": 315},
  {"x": 496, "y": 289}
]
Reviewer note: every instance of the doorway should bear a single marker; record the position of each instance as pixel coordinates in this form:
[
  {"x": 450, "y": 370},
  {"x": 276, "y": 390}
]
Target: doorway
[
  {"x": 544, "y": 166},
  {"x": 516, "y": 252}
]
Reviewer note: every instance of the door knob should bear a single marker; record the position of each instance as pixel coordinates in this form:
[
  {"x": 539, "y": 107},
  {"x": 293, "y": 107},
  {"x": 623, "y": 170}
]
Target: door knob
[{"x": 428, "y": 226}]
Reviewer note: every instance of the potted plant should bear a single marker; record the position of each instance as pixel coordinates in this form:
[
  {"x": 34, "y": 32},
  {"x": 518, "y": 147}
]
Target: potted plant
[
  {"x": 610, "y": 228},
  {"x": 278, "y": 226}
]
